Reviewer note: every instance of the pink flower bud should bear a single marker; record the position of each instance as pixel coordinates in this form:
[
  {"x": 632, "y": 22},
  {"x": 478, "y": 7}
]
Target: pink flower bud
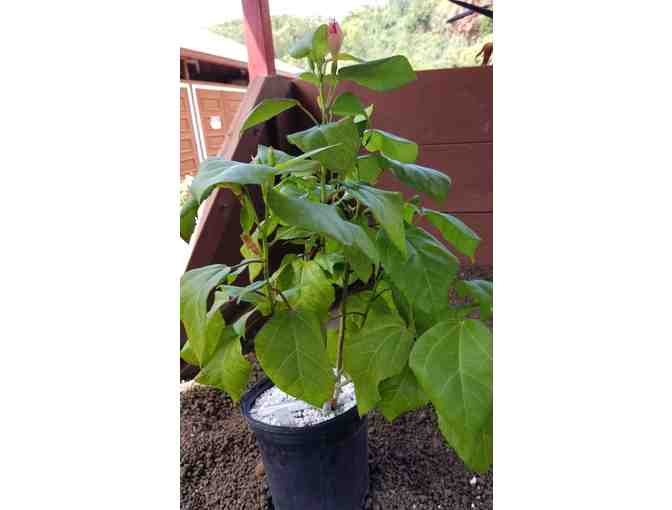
[{"x": 334, "y": 37}]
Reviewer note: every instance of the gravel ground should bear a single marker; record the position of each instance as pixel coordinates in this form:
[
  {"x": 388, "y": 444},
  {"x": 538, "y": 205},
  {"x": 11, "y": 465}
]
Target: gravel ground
[{"x": 411, "y": 467}]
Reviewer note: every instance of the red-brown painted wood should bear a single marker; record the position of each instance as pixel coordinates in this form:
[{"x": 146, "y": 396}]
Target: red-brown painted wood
[
  {"x": 258, "y": 38},
  {"x": 448, "y": 112}
]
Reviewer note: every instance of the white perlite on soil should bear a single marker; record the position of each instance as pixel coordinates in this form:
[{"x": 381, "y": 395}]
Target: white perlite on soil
[{"x": 275, "y": 407}]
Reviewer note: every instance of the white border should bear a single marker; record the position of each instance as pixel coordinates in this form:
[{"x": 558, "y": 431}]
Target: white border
[
  {"x": 195, "y": 122},
  {"x": 219, "y": 87}
]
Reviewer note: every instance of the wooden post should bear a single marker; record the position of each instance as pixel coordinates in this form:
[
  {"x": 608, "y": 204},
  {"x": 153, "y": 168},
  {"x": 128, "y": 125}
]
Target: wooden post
[{"x": 258, "y": 38}]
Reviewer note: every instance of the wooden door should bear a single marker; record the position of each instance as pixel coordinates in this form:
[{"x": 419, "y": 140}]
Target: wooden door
[{"x": 217, "y": 106}]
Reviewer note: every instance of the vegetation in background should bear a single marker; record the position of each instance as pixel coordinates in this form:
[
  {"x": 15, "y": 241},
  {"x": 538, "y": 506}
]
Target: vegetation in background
[{"x": 418, "y": 29}]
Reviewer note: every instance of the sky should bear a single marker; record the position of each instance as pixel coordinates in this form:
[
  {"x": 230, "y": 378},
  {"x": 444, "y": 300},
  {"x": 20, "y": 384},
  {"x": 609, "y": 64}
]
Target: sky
[{"x": 203, "y": 13}]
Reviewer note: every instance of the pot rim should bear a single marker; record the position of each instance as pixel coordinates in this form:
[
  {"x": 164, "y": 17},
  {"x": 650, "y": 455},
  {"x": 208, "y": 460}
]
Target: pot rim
[{"x": 253, "y": 393}]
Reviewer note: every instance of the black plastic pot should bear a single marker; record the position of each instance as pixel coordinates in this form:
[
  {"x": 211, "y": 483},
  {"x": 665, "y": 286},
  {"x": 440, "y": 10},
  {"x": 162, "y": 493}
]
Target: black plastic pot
[{"x": 319, "y": 467}]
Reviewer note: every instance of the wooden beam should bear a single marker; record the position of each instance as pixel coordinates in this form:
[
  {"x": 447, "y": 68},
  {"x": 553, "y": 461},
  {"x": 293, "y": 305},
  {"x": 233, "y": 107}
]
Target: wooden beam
[{"x": 258, "y": 38}]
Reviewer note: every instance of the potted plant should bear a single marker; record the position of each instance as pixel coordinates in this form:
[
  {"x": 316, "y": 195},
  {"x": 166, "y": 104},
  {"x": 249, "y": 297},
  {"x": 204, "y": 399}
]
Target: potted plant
[{"x": 363, "y": 263}]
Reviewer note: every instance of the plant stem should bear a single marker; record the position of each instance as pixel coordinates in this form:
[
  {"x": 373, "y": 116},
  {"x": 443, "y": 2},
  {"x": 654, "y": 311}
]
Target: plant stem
[
  {"x": 341, "y": 335},
  {"x": 271, "y": 299},
  {"x": 312, "y": 117},
  {"x": 245, "y": 262},
  {"x": 289, "y": 307},
  {"x": 323, "y": 184}
]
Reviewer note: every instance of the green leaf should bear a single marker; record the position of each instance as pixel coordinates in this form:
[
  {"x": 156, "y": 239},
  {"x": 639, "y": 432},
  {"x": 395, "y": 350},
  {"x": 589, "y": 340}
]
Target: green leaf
[
  {"x": 292, "y": 232},
  {"x": 381, "y": 75},
  {"x": 343, "y": 132},
  {"x": 480, "y": 291},
  {"x": 360, "y": 263},
  {"x": 424, "y": 277},
  {"x": 392, "y": 146},
  {"x": 409, "y": 212},
  {"x": 248, "y": 294},
  {"x": 400, "y": 394},
  {"x": 370, "y": 168},
  {"x": 188, "y": 355},
  {"x": 294, "y": 161},
  {"x": 455, "y": 232},
  {"x": 217, "y": 172},
  {"x": 347, "y": 56},
  {"x": 314, "y": 291},
  {"x": 321, "y": 219},
  {"x": 328, "y": 261},
  {"x": 290, "y": 349},
  {"x": 453, "y": 363},
  {"x": 422, "y": 178},
  {"x": 248, "y": 214},
  {"x": 475, "y": 449},
  {"x": 266, "y": 110},
  {"x": 227, "y": 370},
  {"x": 387, "y": 208},
  {"x": 310, "y": 78},
  {"x": 188, "y": 215},
  {"x": 250, "y": 249},
  {"x": 347, "y": 104},
  {"x": 357, "y": 305},
  {"x": 203, "y": 329},
  {"x": 240, "y": 326},
  {"x": 377, "y": 351},
  {"x": 270, "y": 156},
  {"x": 313, "y": 44}
]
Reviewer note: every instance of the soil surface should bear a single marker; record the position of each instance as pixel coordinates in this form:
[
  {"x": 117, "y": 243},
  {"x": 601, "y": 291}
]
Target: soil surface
[{"x": 410, "y": 465}]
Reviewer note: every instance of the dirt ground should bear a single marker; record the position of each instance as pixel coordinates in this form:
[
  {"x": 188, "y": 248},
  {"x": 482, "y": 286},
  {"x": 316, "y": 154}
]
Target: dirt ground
[{"x": 411, "y": 467}]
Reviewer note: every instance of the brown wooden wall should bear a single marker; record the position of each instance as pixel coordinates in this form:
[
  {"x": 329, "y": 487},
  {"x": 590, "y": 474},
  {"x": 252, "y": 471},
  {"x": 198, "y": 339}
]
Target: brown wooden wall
[{"x": 448, "y": 112}]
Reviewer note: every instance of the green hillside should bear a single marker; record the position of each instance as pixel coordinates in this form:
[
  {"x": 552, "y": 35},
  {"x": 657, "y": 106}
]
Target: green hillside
[{"x": 415, "y": 28}]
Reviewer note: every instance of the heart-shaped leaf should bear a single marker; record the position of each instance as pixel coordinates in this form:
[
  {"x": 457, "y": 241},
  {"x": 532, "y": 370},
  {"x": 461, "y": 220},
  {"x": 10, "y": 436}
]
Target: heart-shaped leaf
[
  {"x": 393, "y": 146},
  {"x": 347, "y": 104},
  {"x": 387, "y": 208},
  {"x": 480, "y": 291},
  {"x": 453, "y": 363},
  {"x": 424, "y": 277},
  {"x": 188, "y": 215},
  {"x": 321, "y": 219},
  {"x": 298, "y": 159},
  {"x": 265, "y": 110},
  {"x": 343, "y": 135},
  {"x": 313, "y": 44},
  {"x": 290, "y": 349},
  {"x": 377, "y": 351},
  {"x": 381, "y": 75},
  {"x": 218, "y": 172},
  {"x": 227, "y": 369},
  {"x": 475, "y": 449},
  {"x": 400, "y": 394},
  {"x": 422, "y": 178},
  {"x": 313, "y": 290},
  {"x": 455, "y": 232},
  {"x": 369, "y": 168},
  {"x": 203, "y": 329}
]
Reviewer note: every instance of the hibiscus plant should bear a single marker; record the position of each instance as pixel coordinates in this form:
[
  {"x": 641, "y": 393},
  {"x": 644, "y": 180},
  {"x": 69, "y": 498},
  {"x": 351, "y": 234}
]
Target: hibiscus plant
[{"x": 360, "y": 261}]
